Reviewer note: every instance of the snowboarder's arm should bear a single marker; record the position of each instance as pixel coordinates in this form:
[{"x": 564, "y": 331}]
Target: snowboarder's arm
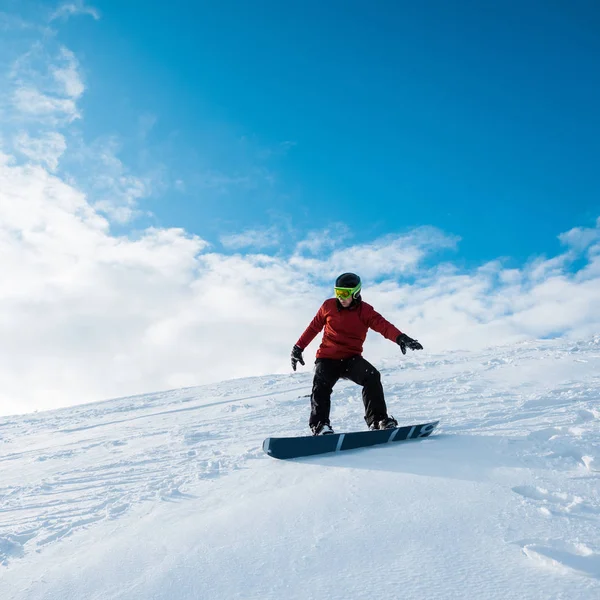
[
  {"x": 377, "y": 323},
  {"x": 315, "y": 327}
]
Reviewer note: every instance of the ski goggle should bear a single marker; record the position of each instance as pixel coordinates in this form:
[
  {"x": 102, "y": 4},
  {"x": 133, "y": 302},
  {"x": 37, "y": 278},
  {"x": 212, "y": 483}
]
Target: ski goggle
[{"x": 343, "y": 293}]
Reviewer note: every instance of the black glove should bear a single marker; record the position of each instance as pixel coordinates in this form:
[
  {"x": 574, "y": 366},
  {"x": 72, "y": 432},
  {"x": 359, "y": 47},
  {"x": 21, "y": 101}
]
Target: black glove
[
  {"x": 403, "y": 341},
  {"x": 297, "y": 357}
]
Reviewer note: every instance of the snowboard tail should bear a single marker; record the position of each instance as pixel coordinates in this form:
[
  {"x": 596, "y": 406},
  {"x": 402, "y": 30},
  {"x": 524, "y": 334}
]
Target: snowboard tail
[{"x": 296, "y": 447}]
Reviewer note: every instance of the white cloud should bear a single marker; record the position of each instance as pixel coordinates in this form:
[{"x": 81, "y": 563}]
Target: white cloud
[
  {"x": 383, "y": 257},
  {"x": 316, "y": 242},
  {"x": 114, "y": 190},
  {"x": 45, "y": 149},
  {"x": 72, "y": 294},
  {"x": 394, "y": 254},
  {"x": 35, "y": 103},
  {"x": 494, "y": 306},
  {"x": 580, "y": 238},
  {"x": 69, "y": 9},
  {"x": 252, "y": 238},
  {"x": 67, "y": 74},
  {"x": 46, "y": 87},
  {"x": 87, "y": 315}
]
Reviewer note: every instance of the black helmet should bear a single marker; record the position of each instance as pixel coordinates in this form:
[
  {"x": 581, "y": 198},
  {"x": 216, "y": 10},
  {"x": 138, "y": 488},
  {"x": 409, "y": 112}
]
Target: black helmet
[{"x": 347, "y": 282}]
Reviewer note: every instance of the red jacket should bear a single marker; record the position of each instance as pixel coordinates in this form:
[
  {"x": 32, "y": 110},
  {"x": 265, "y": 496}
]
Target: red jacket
[{"x": 345, "y": 329}]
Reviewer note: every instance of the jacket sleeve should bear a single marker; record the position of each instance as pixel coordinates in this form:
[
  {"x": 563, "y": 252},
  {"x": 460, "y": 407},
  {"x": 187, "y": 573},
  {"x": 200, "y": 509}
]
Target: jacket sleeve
[
  {"x": 315, "y": 327},
  {"x": 377, "y": 323}
]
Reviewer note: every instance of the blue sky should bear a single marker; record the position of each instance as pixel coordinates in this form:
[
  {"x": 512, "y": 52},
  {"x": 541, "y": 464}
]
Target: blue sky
[
  {"x": 477, "y": 118},
  {"x": 180, "y": 185}
]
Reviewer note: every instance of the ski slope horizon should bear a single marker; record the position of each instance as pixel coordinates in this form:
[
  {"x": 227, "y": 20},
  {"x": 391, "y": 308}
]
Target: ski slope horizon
[{"x": 169, "y": 495}]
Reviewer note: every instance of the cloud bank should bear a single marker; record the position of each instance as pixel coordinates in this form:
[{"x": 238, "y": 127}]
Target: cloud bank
[{"x": 87, "y": 315}]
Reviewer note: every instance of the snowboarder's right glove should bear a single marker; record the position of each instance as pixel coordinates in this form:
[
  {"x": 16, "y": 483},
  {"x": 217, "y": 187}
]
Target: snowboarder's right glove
[
  {"x": 297, "y": 357},
  {"x": 407, "y": 342}
]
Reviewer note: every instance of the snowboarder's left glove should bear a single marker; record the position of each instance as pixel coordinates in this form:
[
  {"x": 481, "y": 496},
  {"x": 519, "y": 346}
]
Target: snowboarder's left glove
[
  {"x": 297, "y": 357},
  {"x": 407, "y": 342}
]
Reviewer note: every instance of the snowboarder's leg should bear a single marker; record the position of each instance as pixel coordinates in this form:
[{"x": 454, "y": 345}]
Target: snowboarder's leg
[
  {"x": 364, "y": 373},
  {"x": 327, "y": 372}
]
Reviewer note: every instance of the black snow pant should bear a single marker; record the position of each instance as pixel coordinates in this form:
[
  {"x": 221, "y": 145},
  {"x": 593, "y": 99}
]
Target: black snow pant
[{"x": 356, "y": 369}]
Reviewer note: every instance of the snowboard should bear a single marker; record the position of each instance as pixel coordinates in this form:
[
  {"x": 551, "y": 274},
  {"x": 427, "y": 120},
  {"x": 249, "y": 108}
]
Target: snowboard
[{"x": 309, "y": 445}]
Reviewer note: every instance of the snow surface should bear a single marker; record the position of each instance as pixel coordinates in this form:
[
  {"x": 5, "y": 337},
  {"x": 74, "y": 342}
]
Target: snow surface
[{"x": 169, "y": 495}]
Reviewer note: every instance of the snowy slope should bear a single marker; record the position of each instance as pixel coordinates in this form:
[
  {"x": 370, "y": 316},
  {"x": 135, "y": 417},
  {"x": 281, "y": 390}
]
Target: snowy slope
[{"x": 169, "y": 495}]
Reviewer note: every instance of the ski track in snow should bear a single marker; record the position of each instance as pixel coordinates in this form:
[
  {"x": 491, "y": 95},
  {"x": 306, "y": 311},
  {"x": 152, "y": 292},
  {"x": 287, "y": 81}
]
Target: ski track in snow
[
  {"x": 530, "y": 409},
  {"x": 74, "y": 473}
]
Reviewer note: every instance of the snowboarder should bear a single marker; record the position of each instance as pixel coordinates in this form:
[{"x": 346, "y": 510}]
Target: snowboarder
[{"x": 346, "y": 319}]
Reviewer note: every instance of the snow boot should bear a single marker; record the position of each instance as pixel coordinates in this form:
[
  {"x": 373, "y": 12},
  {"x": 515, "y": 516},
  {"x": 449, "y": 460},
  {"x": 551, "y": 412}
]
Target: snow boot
[
  {"x": 386, "y": 423},
  {"x": 321, "y": 429}
]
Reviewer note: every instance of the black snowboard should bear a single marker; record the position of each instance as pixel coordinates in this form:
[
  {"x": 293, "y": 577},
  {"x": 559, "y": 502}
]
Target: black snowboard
[{"x": 295, "y": 447}]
